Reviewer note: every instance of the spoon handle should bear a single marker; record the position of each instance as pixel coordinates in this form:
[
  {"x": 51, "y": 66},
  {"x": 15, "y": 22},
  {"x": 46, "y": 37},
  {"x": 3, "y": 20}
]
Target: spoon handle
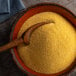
[
  {"x": 25, "y": 38},
  {"x": 11, "y": 44}
]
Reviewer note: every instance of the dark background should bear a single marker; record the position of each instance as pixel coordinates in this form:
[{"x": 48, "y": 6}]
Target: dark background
[{"x": 7, "y": 65}]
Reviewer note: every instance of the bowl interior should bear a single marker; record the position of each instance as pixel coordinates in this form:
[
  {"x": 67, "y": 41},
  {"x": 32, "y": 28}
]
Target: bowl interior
[{"x": 37, "y": 9}]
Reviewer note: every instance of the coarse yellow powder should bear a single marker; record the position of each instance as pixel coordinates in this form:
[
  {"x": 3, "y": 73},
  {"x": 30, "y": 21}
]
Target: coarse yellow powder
[{"x": 52, "y": 46}]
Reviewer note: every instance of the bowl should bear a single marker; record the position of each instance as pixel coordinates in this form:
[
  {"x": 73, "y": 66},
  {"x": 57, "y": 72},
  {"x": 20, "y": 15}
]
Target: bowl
[{"x": 43, "y": 7}]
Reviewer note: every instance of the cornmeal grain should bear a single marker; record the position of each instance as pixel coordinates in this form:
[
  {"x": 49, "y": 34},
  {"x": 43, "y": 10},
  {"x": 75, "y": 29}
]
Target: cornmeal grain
[{"x": 52, "y": 46}]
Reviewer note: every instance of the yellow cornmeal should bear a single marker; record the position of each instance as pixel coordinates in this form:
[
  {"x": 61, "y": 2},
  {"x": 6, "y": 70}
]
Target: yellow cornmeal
[{"x": 52, "y": 46}]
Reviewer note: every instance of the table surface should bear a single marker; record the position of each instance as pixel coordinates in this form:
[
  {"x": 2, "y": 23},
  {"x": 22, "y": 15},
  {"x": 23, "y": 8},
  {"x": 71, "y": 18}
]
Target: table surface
[{"x": 7, "y": 65}]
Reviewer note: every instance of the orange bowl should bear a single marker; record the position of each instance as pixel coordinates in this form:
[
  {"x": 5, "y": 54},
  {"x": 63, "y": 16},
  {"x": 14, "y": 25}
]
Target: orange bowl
[{"x": 49, "y": 7}]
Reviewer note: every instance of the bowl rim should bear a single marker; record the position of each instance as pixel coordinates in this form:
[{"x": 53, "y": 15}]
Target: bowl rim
[{"x": 16, "y": 27}]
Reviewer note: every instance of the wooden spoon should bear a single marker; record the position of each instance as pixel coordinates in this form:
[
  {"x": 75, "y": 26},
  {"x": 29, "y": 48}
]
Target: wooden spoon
[{"x": 25, "y": 37}]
